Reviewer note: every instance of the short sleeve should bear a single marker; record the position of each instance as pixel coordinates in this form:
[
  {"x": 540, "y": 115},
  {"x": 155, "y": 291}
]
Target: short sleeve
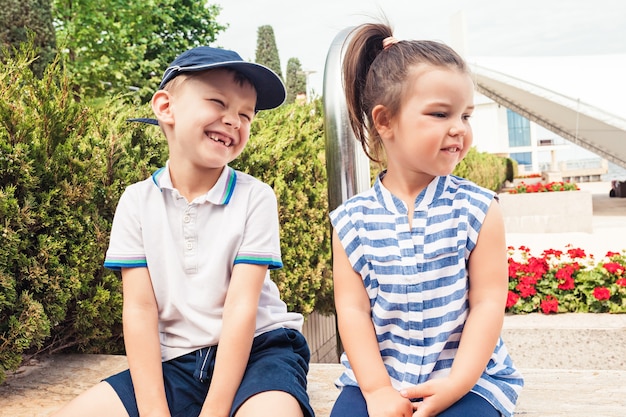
[
  {"x": 126, "y": 248},
  {"x": 261, "y": 239}
]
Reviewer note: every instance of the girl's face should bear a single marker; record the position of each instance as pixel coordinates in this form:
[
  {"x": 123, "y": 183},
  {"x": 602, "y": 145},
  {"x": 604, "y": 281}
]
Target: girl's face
[
  {"x": 212, "y": 113},
  {"x": 431, "y": 133}
]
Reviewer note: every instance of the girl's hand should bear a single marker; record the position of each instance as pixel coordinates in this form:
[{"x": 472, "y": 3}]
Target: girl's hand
[
  {"x": 436, "y": 396},
  {"x": 387, "y": 402}
]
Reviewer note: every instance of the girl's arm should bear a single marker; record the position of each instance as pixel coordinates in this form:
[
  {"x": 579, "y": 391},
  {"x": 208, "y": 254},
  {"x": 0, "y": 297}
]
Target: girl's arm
[
  {"x": 141, "y": 338},
  {"x": 488, "y": 282},
  {"x": 359, "y": 339},
  {"x": 238, "y": 326}
]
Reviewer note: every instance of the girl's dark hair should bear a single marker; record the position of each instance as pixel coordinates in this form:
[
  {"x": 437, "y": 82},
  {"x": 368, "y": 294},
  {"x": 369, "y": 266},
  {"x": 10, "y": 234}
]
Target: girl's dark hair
[{"x": 373, "y": 75}]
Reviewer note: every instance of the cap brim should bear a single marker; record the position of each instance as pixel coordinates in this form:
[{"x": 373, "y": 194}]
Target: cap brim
[
  {"x": 144, "y": 120},
  {"x": 270, "y": 89}
]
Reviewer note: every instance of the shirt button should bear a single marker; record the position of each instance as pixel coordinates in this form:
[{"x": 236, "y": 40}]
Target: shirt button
[
  {"x": 186, "y": 219},
  {"x": 189, "y": 246}
]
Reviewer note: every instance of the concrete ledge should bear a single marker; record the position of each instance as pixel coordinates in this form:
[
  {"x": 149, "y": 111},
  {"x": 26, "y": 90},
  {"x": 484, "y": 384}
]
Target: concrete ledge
[
  {"x": 574, "y": 365},
  {"x": 548, "y": 392},
  {"x": 549, "y": 212}
]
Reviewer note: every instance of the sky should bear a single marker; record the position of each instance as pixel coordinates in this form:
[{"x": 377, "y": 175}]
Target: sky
[{"x": 491, "y": 28}]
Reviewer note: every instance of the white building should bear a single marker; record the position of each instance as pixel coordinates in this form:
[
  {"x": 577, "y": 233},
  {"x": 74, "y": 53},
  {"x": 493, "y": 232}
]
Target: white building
[{"x": 553, "y": 113}]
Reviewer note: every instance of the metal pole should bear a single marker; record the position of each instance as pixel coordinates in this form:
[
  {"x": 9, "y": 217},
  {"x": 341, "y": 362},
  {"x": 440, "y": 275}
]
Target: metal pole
[{"x": 347, "y": 166}]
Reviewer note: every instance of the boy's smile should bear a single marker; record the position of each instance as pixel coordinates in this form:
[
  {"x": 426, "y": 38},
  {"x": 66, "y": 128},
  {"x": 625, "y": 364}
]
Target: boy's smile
[{"x": 212, "y": 113}]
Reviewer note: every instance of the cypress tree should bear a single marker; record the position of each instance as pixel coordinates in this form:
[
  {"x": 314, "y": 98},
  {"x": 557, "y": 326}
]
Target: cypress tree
[
  {"x": 266, "y": 50},
  {"x": 296, "y": 80}
]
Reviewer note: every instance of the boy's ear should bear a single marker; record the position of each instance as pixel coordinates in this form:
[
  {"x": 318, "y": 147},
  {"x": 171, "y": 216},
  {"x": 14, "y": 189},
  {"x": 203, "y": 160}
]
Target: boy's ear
[
  {"x": 162, "y": 107},
  {"x": 382, "y": 121}
]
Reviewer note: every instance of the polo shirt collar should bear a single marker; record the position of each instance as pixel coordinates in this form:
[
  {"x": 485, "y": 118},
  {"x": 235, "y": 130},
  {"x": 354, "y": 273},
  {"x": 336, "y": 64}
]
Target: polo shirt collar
[
  {"x": 220, "y": 194},
  {"x": 395, "y": 205}
]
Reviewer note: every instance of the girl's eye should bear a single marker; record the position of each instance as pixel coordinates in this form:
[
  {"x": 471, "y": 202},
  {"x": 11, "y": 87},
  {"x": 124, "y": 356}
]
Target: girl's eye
[
  {"x": 467, "y": 116},
  {"x": 246, "y": 117},
  {"x": 217, "y": 101},
  {"x": 438, "y": 114}
]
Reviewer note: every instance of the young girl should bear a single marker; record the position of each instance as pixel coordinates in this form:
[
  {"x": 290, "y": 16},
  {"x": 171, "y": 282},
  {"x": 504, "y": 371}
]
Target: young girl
[{"x": 420, "y": 261}]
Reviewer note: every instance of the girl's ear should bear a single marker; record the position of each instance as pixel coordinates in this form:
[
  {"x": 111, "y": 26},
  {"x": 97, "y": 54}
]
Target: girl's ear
[
  {"x": 382, "y": 121},
  {"x": 162, "y": 107}
]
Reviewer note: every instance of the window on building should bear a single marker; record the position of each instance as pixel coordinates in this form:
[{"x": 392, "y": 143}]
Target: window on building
[
  {"x": 523, "y": 158},
  {"x": 519, "y": 129}
]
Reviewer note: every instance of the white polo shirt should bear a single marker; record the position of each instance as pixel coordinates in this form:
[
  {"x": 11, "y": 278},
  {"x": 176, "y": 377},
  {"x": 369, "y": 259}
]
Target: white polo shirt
[{"x": 190, "y": 249}]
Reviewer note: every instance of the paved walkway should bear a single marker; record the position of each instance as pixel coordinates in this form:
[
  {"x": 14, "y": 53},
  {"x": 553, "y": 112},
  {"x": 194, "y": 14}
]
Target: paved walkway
[{"x": 574, "y": 364}]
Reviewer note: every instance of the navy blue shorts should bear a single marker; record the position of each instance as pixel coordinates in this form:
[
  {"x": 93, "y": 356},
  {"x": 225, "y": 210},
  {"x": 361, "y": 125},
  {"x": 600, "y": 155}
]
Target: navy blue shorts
[
  {"x": 351, "y": 403},
  {"x": 279, "y": 361}
]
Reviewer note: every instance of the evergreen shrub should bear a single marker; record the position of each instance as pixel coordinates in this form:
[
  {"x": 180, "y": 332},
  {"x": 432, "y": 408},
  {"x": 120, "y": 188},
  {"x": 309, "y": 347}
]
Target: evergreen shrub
[
  {"x": 485, "y": 169},
  {"x": 286, "y": 150},
  {"x": 62, "y": 169}
]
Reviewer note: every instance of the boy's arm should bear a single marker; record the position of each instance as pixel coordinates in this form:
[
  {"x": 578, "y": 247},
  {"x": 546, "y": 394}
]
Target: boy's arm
[
  {"x": 239, "y": 324},
  {"x": 141, "y": 338},
  {"x": 359, "y": 338}
]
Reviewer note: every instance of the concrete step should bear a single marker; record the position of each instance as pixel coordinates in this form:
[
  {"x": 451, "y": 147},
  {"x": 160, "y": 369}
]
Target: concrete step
[
  {"x": 567, "y": 341},
  {"x": 573, "y": 366}
]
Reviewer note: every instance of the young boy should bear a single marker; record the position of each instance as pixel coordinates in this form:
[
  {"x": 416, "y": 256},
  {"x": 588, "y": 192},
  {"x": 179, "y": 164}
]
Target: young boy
[{"x": 205, "y": 331}]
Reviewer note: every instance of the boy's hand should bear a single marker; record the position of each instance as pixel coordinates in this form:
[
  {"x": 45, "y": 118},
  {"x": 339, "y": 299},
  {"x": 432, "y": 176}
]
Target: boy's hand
[{"x": 387, "y": 402}]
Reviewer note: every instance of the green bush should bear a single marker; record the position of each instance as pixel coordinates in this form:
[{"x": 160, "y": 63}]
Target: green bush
[
  {"x": 485, "y": 169},
  {"x": 511, "y": 169},
  {"x": 286, "y": 150},
  {"x": 62, "y": 168}
]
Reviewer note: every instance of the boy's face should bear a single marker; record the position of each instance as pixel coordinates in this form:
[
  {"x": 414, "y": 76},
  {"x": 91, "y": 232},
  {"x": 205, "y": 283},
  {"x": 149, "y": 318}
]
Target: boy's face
[{"x": 209, "y": 118}]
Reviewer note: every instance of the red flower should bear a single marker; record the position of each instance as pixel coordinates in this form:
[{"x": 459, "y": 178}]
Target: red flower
[
  {"x": 564, "y": 275},
  {"x": 537, "y": 267},
  {"x": 601, "y": 293},
  {"x": 575, "y": 253},
  {"x": 554, "y": 252},
  {"x": 612, "y": 254},
  {"x": 550, "y": 305},
  {"x": 514, "y": 267},
  {"x": 614, "y": 268},
  {"x": 621, "y": 282},
  {"x": 511, "y": 299},
  {"x": 566, "y": 284},
  {"x": 526, "y": 290}
]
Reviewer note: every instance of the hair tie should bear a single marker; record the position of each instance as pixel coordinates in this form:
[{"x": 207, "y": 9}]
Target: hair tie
[{"x": 388, "y": 41}]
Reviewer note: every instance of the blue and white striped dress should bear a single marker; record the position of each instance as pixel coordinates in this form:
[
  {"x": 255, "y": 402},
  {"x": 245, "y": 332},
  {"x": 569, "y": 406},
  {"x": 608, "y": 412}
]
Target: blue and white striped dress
[{"x": 417, "y": 281}]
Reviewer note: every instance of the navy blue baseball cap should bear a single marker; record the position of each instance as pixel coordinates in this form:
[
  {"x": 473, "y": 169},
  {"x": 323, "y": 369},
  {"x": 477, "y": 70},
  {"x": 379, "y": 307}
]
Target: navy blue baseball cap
[{"x": 270, "y": 90}]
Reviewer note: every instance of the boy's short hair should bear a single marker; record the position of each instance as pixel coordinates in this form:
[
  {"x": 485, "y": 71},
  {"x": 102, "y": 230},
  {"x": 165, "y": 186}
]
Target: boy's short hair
[{"x": 270, "y": 90}]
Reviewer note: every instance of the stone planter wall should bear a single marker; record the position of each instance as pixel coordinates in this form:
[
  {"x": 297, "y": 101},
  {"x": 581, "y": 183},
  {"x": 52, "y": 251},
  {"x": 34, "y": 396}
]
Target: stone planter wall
[{"x": 548, "y": 212}]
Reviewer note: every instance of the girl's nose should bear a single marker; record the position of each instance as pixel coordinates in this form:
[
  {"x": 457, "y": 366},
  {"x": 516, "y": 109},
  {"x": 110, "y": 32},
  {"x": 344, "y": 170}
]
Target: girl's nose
[{"x": 458, "y": 128}]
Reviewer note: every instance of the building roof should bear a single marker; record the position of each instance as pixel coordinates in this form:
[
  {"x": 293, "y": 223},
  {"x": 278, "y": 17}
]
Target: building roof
[{"x": 581, "y": 98}]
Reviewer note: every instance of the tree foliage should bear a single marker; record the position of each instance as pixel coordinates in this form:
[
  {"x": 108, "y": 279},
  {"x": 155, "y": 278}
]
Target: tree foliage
[
  {"x": 114, "y": 46},
  {"x": 296, "y": 80},
  {"x": 21, "y": 20},
  {"x": 266, "y": 50}
]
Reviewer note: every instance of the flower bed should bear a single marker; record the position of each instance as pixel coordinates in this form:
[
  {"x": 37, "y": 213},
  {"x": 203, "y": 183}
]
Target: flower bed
[
  {"x": 540, "y": 187},
  {"x": 562, "y": 282}
]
